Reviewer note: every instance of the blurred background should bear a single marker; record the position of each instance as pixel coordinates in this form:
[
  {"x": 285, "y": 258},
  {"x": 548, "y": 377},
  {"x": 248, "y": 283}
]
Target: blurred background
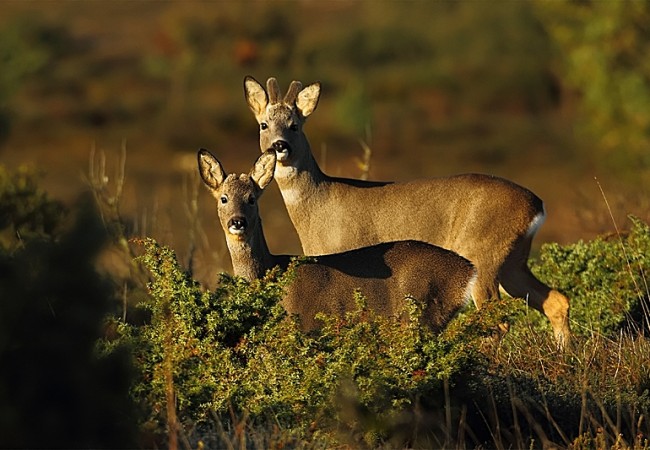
[{"x": 552, "y": 95}]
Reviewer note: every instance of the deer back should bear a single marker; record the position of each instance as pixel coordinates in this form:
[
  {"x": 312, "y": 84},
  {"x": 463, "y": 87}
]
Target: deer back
[{"x": 386, "y": 274}]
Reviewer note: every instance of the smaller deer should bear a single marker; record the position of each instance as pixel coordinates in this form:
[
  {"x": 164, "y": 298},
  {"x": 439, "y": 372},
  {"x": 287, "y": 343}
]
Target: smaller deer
[{"x": 385, "y": 274}]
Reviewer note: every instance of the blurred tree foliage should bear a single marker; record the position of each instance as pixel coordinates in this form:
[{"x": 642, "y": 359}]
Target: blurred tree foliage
[
  {"x": 603, "y": 48},
  {"x": 26, "y": 211},
  {"x": 55, "y": 390},
  {"x": 27, "y": 46},
  {"x": 186, "y": 74}
]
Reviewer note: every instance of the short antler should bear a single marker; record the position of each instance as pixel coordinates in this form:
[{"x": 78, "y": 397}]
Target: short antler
[
  {"x": 273, "y": 90},
  {"x": 294, "y": 88}
]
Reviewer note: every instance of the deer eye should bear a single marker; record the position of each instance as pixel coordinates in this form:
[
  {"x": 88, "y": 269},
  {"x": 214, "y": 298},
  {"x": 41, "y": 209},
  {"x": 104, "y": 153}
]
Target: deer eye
[
  {"x": 251, "y": 200},
  {"x": 293, "y": 127},
  {"x": 223, "y": 199},
  {"x": 264, "y": 126}
]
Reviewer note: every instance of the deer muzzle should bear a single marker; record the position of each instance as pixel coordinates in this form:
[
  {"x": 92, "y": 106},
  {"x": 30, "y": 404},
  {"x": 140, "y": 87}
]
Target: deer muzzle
[
  {"x": 237, "y": 225},
  {"x": 282, "y": 149}
]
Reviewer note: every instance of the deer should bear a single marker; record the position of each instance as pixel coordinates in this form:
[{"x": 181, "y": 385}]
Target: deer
[
  {"x": 385, "y": 274},
  {"x": 491, "y": 221}
]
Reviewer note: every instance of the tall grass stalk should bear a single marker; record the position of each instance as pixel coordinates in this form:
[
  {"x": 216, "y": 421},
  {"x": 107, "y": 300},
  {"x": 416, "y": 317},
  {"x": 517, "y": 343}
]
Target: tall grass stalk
[{"x": 644, "y": 297}]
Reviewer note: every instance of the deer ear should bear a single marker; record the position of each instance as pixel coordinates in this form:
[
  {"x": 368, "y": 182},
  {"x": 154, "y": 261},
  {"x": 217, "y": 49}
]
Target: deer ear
[
  {"x": 307, "y": 99},
  {"x": 262, "y": 172},
  {"x": 210, "y": 169},
  {"x": 256, "y": 96}
]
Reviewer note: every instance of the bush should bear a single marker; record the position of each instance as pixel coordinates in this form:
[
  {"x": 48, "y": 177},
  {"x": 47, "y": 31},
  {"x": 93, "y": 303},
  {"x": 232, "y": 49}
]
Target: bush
[
  {"x": 212, "y": 363},
  {"x": 26, "y": 211},
  {"x": 605, "y": 279},
  {"x": 206, "y": 354},
  {"x": 55, "y": 390}
]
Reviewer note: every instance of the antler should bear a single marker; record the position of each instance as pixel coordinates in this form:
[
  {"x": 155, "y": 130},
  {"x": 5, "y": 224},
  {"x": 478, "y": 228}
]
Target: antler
[
  {"x": 273, "y": 90},
  {"x": 294, "y": 88}
]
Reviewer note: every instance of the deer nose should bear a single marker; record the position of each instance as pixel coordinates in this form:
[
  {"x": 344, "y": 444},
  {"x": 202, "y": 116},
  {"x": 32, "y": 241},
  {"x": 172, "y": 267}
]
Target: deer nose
[
  {"x": 237, "y": 225},
  {"x": 282, "y": 149},
  {"x": 281, "y": 146}
]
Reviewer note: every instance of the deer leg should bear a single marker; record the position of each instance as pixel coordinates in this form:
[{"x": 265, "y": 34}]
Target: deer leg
[
  {"x": 518, "y": 281},
  {"x": 485, "y": 288}
]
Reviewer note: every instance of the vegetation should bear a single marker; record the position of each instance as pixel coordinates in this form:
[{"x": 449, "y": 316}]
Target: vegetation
[
  {"x": 147, "y": 356},
  {"x": 602, "y": 47},
  {"x": 53, "y": 306},
  {"x": 607, "y": 284},
  {"x": 365, "y": 380},
  {"x": 227, "y": 367},
  {"x": 27, "y": 211}
]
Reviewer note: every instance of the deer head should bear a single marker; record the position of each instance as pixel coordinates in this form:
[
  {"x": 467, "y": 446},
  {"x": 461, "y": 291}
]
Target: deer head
[
  {"x": 237, "y": 195},
  {"x": 281, "y": 118}
]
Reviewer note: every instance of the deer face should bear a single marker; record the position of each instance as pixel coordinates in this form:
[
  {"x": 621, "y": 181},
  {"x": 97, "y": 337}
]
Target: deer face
[
  {"x": 281, "y": 131},
  {"x": 237, "y": 195},
  {"x": 237, "y": 206},
  {"x": 281, "y": 121}
]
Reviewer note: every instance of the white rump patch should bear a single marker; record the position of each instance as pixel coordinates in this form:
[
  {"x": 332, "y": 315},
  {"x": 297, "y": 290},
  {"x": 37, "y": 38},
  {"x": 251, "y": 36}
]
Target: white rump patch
[
  {"x": 537, "y": 222},
  {"x": 468, "y": 297}
]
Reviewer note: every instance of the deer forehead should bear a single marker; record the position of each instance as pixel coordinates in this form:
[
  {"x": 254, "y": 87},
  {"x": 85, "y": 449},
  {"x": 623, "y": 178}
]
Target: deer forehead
[
  {"x": 282, "y": 114},
  {"x": 237, "y": 185}
]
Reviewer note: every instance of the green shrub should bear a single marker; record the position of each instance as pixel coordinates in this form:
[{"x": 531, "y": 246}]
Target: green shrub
[
  {"x": 233, "y": 350},
  {"x": 53, "y": 304},
  {"x": 209, "y": 361},
  {"x": 26, "y": 211},
  {"x": 606, "y": 279}
]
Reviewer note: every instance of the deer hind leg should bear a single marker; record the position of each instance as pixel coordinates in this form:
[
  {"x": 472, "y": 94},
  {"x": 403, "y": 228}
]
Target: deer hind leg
[
  {"x": 485, "y": 288},
  {"x": 518, "y": 281}
]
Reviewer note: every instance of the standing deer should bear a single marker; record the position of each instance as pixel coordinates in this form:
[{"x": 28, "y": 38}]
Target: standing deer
[
  {"x": 488, "y": 220},
  {"x": 385, "y": 273}
]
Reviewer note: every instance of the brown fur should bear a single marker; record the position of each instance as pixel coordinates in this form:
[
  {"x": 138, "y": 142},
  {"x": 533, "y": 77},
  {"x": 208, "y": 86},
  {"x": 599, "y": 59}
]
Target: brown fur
[
  {"x": 385, "y": 273},
  {"x": 490, "y": 221}
]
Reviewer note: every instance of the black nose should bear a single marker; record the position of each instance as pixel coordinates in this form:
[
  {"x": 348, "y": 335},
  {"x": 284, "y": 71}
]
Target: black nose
[
  {"x": 238, "y": 223},
  {"x": 281, "y": 146}
]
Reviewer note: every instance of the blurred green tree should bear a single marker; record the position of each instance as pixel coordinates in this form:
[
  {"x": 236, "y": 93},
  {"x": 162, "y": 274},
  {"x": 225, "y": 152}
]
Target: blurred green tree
[
  {"x": 55, "y": 390},
  {"x": 28, "y": 45},
  {"x": 26, "y": 211},
  {"x": 603, "y": 49},
  {"x": 17, "y": 58}
]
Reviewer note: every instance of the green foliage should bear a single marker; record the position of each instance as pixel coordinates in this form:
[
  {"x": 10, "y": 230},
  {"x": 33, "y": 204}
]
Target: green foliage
[
  {"x": 52, "y": 310},
  {"x": 234, "y": 349},
  {"x": 21, "y": 53},
  {"x": 27, "y": 45},
  {"x": 194, "y": 334},
  {"x": 230, "y": 358},
  {"x": 26, "y": 211},
  {"x": 606, "y": 279},
  {"x": 603, "y": 48}
]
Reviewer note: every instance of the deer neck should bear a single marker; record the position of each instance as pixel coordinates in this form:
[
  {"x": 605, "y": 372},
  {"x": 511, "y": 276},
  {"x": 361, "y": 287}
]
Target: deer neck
[
  {"x": 251, "y": 257},
  {"x": 299, "y": 181}
]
